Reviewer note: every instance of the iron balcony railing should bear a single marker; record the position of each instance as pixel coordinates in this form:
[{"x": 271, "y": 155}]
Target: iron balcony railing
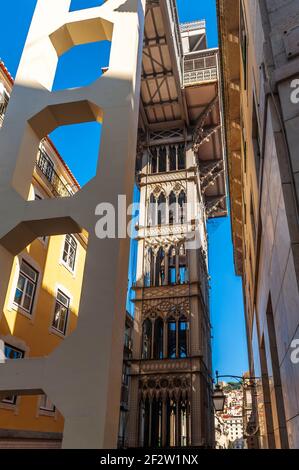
[
  {"x": 192, "y": 26},
  {"x": 201, "y": 67},
  {"x": 194, "y": 67},
  {"x": 58, "y": 188}
]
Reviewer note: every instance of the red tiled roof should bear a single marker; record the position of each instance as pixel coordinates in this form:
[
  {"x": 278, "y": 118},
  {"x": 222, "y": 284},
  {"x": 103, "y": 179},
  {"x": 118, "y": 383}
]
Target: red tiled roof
[{"x": 6, "y": 72}]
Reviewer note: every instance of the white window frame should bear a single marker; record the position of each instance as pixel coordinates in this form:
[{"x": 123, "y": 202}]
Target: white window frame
[
  {"x": 66, "y": 263},
  {"x": 28, "y": 280},
  {"x": 50, "y": 411},
  {"x": 53, "y": 327},
  {"x": 45, "y": 404}
]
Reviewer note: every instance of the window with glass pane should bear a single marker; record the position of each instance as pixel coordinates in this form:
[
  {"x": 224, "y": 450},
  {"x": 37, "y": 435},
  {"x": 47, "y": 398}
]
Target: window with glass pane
[
  {"x": 172, "y": 158},
  {"x": 161, "y": 209},
  {"x": 26, "y": 287},
  {"x": 61, "y": 312},
  {"x": 182, "y": 265},
  {"x": 172, "y": 208},
  {"x": 154, "y": 160},
  {"x": 152, "y": 219},
  {"x": 160, "y": 268},
  {"x": 12, "y": 353},
  {"x": 183, "y": 328},
  {"x": 172, "y": 266},
  {"x": 171, "y": 339},
  {"x": 162, "y": 159},
  {"x": 125, "y": 375},
  {"x": 69, "y": 251},
  {"x": 181, "y": 158},
  {"x": 182, "y": 207},
  {"x": 146, "y": 339},
  {"x": 158, "y": 345},
  {"x": 46, "y": 404}
]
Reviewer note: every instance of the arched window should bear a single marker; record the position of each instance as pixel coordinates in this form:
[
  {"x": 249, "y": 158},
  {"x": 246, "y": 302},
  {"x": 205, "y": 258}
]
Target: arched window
[
  {"x": 172, "y": 208},
  {"x": 158, "y": 341},
  {"x": 152, "y": 211},
  {"x": 162, "y": 159},
  {"x": 162, "y": 209},
  {"x": 160, "y": 268},
  {"x": 172, "y": 274},
  {"x": 171, "y": 338},
  {"x": 183, "y": 273},
  {"x": 172, "y": 159},
  {"x": 182, "y": 339},
  {"x": 154, "y": 160},
  {"x": 181, "y": 157},
  {"x": 182, "y": 207},
  {"x": 147, "y": 339}
]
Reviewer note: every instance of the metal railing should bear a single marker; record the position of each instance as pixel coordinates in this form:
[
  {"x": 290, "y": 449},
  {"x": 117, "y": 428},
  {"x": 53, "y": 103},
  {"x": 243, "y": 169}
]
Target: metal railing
[
  {"x": 192, "y": 26},
  {"x": 58, "y": 188},
  {"x": 200, "y": 67}
]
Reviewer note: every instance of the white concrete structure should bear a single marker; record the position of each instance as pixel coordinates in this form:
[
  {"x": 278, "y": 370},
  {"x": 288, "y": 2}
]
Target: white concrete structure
[{"x": 83, "y": 376}]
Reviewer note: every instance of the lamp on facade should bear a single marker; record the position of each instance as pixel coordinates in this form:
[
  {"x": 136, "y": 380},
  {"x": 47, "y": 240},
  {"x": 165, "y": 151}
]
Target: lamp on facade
[{"x": 218, "y": 398}]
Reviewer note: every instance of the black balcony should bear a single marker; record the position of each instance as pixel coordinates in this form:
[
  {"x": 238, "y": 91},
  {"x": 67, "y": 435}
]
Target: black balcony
[{"x": 46, "y": 167}]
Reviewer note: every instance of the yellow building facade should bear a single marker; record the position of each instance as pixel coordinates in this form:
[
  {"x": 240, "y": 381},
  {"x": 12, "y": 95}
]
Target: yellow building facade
[{"x": 42, "y": 301}]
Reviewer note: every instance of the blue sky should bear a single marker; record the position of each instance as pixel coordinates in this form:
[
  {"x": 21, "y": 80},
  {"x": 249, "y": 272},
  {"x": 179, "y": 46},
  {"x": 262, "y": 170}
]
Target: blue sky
[{"x": 79, "y": 146}]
